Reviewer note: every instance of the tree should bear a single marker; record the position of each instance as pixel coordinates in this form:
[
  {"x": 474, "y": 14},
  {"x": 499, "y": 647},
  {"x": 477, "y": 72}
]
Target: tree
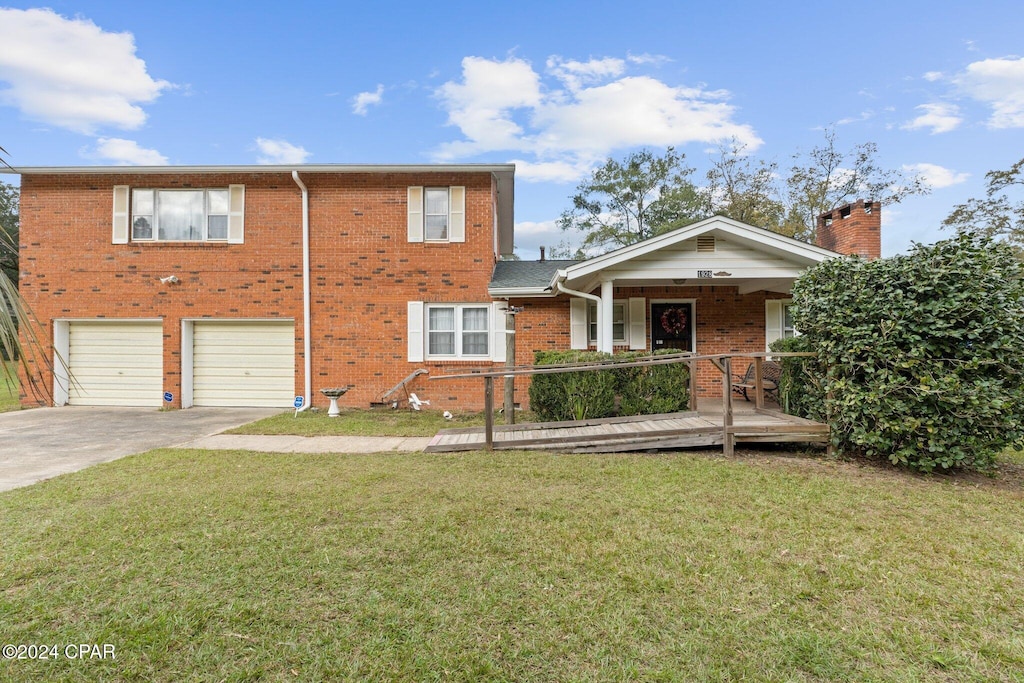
[
  {"x": 626, "y": 202},
  {"x": 751, "y": 190},
  {"x": 995, "y": 215},
  {"x": 744, "y": 189}
]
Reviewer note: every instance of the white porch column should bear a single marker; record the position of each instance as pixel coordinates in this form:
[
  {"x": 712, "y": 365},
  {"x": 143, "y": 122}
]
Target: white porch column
[{"x": 605, "y": 335}]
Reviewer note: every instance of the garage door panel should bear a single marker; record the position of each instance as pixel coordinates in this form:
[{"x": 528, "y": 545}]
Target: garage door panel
[
  {"x": 248, "y": 363},
  {"x": 115, "y": 363}
]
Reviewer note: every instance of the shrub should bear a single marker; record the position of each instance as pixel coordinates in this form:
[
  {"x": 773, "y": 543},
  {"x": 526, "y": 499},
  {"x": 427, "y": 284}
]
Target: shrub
[
  {"x": 572, "y": 395},
  {"x": 921, "y": 352},
  {"x": 799, "y": 387},
  {"x": 592, "y": 393},
  {"x": 652, "y": 389}
]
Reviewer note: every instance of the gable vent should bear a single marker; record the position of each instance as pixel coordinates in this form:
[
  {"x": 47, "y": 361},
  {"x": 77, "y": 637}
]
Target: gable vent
[{"x": 706, "y": 243}]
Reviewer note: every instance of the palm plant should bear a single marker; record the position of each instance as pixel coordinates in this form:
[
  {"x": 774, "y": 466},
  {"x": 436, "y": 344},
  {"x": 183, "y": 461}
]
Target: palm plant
[{"x": 18, "y": 339}]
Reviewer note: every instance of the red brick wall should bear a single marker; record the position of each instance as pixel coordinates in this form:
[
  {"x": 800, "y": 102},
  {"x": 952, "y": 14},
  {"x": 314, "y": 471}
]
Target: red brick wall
[{"x": 364, "y": 271}]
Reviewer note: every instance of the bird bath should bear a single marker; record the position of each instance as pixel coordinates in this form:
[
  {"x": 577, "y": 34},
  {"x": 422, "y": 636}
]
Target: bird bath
[{"x": 334, "y": 394}]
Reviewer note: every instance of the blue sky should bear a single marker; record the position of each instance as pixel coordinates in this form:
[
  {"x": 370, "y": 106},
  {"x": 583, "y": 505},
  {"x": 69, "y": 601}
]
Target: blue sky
[{"x": 555, "y": 87}]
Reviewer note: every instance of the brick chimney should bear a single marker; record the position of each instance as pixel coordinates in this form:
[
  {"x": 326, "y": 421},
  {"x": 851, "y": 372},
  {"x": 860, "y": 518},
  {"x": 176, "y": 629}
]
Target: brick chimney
[{"x": 852, "y": 229}]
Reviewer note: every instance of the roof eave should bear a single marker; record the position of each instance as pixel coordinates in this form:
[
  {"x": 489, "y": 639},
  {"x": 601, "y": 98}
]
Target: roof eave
[
  {"x": 264, "y": 168},
  {"x": 525, "y": 292}
]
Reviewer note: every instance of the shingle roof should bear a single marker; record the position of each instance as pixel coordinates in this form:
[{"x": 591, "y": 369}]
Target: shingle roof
[{"x": 511, "y": 274}]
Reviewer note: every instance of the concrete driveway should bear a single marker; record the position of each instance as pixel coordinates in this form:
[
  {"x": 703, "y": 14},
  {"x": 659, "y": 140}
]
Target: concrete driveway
[{"x": 43, "y": 442}]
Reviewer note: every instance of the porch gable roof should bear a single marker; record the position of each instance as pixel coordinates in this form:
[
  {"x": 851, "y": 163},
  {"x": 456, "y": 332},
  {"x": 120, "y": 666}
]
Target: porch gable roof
[{"x": 740, "y": 255}]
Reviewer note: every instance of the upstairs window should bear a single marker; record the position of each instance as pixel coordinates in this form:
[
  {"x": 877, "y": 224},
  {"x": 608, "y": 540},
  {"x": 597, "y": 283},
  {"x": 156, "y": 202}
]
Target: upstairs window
[
  {"x": 180, "y": 215},
  {"x": 437, "y": 214}
]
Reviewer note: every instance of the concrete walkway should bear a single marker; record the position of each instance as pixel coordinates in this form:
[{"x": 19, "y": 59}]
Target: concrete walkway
[{"x": 310, "y": 444}]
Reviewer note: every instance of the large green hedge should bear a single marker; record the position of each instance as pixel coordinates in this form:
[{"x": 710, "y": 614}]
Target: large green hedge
[
  {"x": 592, "y": 393},
  {"x": 920, "y": 354}
]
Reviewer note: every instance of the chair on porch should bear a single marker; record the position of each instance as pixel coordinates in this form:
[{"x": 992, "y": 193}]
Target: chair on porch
[{"x": 771, "y": 374}]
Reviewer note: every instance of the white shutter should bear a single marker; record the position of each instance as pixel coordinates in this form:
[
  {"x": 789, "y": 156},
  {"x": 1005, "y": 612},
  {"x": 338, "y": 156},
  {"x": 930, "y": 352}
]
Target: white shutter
[
  {"x": 120, "y": 215},
  {"x": 578, "y": 323},
  {"x": 415, "y": 214},
  {"x": 415, "y": 331},
  {"x": 772, "y": 322},
  {"x": 498, "y": 336},
  {"x": 236, "y": 214},
  {"x": 456, "y": 214},
  {"x": 637, "y": 323}
]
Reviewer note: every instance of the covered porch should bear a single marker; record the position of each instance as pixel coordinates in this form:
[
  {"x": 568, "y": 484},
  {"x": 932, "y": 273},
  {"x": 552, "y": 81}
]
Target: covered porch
[{"x": 715, "y": 287}]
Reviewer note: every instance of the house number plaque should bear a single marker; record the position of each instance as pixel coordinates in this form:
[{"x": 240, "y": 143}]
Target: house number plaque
[{"x": 704, "y": 273}]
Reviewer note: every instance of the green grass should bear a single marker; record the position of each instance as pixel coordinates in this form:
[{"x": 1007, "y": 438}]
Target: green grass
[
  {"x": 237, "y": 566},
  {"x": 357, "y": 422},
  {"x": 9, "y": 389}
]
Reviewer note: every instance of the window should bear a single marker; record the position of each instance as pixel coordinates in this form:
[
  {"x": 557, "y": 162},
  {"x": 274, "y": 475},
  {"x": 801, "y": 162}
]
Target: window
[
  {"x": 458, "y": 331},
  {"x": 435, "y": 214},
  {"x": 618, "y": 322},
  {"x": 778, "y": 321},
  {"x": 180, "y": 215},
  {"x": 788, "y": 330}
]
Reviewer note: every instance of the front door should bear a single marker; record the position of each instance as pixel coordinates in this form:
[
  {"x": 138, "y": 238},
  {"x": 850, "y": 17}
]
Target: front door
[{"x": 672, "y": 326}]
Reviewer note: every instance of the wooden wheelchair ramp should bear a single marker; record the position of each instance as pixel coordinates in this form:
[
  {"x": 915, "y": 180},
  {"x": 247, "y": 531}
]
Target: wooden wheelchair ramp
[{"x": 643, "y": 432}]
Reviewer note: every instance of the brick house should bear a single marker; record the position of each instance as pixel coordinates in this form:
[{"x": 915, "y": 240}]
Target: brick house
[{"x": 250, "y": 285}]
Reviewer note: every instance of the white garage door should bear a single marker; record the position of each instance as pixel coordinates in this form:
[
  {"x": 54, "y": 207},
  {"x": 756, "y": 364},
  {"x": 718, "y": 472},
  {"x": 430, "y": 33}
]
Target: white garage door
[
  {"x": 116, "y": 363},
  {"x": 249, "y": 363}
]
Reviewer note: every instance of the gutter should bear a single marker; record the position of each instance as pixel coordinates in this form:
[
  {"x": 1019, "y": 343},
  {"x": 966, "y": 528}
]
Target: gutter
[
  {"x": 306, "y": 315},
  {"x": 572, "y": 292}
]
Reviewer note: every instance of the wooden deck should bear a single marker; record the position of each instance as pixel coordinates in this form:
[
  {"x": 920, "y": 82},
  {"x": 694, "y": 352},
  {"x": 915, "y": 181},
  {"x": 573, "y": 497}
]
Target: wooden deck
[{"x": 644, "y": 432}]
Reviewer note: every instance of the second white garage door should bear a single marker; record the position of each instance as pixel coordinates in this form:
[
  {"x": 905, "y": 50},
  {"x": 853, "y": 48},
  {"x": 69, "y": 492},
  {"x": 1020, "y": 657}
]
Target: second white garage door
[{"x": 250, "y": 363}]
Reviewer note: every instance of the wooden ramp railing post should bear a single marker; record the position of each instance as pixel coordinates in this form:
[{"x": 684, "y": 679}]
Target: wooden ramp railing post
[
  {"x": 693, "y": 384},
  {"x": 727, "y": 435},
  {"x": 489, "y": 411},
  {"x": 758, "y": 383}
]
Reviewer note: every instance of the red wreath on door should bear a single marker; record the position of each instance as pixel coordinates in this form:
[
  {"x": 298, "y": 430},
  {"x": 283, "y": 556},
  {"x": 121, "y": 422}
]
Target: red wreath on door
[{"x": 673, "y": 321}]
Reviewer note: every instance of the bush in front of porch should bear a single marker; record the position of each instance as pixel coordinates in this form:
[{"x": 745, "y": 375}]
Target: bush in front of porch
[{"x": 591, "y": 393}]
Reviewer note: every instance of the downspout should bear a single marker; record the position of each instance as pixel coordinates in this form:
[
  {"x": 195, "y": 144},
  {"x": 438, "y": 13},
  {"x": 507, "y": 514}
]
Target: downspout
[
  {"x": 306, "y": 331},
  {"x": 584, "y": 295}
]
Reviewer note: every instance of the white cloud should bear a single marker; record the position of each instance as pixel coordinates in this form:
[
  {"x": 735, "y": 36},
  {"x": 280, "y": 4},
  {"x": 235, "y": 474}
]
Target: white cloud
[
  {"x": 71, "y": 73},
  {"x": 532, "y": 235},
  {"x": 933, "y": 76},
  {"x": 863, "y": 116},
  {"x": 549, "y": 171},
  {"x": 364, "y": 100},
  {"x": 280, "y": 152},
  {"x": 591, "y": 109},
  {"x": 939, "y": 116},
  {"x": 937, "y": 176},
  {"x": 998, "y": 83},
  {"x": 125, "y": 152},
  {"x": 576, "y": 74},
  {"x": 646, "y": 58}
]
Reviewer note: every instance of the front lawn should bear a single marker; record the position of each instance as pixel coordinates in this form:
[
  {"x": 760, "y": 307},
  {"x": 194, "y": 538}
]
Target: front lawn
[
  {"x": 362, "y": 422},
  {"x": 200, "y": 565}
]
